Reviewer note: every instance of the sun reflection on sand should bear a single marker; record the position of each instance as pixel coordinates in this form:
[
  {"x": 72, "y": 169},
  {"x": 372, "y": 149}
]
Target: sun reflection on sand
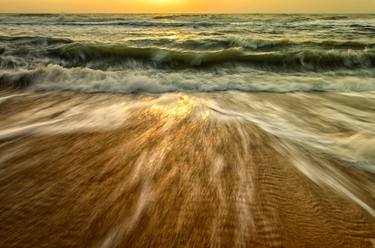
[{"x": 176, "y": 109}]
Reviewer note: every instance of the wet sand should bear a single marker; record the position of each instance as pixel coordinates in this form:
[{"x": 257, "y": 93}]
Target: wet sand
[{"x": 164, "y": 175}]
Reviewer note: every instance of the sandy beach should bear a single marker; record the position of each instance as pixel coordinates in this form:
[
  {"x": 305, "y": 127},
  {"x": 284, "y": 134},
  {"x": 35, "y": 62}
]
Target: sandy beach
[{"x": 100, "y": 170}]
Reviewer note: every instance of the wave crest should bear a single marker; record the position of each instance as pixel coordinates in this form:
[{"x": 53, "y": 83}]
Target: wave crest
[{"x": 78, "y": 54}]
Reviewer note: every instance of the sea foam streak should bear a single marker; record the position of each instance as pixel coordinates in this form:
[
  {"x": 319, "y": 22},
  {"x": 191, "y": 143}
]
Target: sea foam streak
[
  {"x": 237, "y": 158},
  {"x": 138, "y": 79}
]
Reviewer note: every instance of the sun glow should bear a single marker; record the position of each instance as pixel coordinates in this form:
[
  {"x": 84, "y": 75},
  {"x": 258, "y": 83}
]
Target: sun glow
[
  {"x": 164, "y": 2},
  {"x": 178, "y": 109},
  {"x": 187, "y": 6}
]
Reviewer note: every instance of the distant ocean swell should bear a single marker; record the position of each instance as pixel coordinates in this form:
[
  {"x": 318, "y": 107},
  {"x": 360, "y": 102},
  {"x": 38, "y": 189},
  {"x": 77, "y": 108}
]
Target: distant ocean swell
[
  {"x": 207, "y": 43},
  {"x": 143, "y": 24},
  {"x": 166, "y": 23}
]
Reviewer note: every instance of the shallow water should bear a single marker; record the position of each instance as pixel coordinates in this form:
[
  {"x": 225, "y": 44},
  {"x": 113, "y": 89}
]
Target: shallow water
[{"x": 203, "y": 169}]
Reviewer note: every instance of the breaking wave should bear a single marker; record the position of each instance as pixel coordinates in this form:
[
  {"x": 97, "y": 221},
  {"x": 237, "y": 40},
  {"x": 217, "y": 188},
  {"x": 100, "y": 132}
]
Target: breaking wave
[
  {"x": 154, "y": 81},
  {"x": 79, "y": 54}
]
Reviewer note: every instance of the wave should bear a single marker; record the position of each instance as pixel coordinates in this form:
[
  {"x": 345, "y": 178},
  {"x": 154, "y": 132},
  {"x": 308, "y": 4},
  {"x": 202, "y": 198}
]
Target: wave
[
  {"x": 254, "y": 44},
  {"x": 363, "y": 28},
  {"x": 207, "y": 44},
  {"x": 143, "y": 24},
  {"x": 54, "y": 77},
  {"x": 188, "y": 15},
  {"x": 13, "y": 62},
  {"x": 263, "y": 44},
  {"x": 35, "y": 40},
  {"x": 338, "y": 17},
  {"x": 18, "y": 80},
  {"x": 79, "y": 54},
  {"x": 334, "y": 44},
  {"x": 283, "y": 54}
]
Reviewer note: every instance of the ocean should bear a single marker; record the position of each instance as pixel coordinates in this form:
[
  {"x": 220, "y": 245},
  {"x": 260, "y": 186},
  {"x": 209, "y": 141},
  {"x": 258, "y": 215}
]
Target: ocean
[
  {"x": 151, "y": 130},
  {"x": 188, "y": 53}
]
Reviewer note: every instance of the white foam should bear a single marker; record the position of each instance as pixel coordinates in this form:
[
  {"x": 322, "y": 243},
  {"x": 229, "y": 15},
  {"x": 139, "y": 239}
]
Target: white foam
[{"x": 149, "y": 80}]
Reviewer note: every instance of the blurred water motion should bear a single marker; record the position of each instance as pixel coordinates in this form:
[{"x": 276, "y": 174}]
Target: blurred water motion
[{"x": 225, "y": 169}]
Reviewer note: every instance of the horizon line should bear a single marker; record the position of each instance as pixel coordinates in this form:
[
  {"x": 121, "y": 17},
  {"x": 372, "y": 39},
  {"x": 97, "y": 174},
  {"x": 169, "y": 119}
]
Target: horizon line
[{"x": 193, "y": 13}]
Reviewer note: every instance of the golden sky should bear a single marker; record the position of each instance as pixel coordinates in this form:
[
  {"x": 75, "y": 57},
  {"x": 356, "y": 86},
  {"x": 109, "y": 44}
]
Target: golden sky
[{"x": 180, "y": 6}]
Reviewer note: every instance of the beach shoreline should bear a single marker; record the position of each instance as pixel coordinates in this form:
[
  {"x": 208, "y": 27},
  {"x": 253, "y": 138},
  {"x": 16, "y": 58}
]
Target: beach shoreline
[{"x": 176, "y": 170}]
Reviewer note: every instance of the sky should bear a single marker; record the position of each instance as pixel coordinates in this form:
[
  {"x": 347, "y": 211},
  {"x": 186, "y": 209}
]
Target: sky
[{"x": 187, "y": 6}]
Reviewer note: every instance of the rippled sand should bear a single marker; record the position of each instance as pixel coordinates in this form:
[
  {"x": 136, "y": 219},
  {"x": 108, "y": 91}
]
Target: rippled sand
[{"x": 187, "y": 170}]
